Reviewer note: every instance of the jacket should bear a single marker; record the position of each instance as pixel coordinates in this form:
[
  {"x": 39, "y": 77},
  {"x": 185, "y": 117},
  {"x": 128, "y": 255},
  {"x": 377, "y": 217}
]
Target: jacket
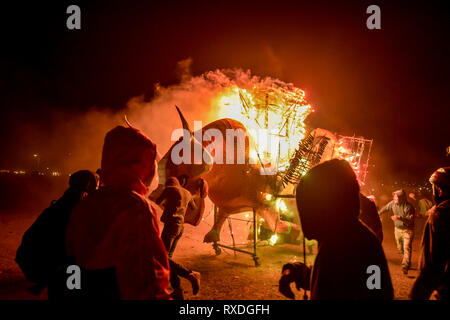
[{"x": 116, "y": 226}]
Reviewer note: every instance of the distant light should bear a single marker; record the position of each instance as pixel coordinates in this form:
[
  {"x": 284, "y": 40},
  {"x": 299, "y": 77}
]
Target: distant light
[{"x": 268, "y": 196}]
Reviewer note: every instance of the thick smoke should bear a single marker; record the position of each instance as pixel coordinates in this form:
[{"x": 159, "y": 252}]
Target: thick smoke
[{"x": 157, "y": 117}]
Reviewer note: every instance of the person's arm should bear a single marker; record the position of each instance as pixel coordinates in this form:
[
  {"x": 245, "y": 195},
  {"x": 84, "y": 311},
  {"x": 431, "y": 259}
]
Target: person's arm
[
  {"x": 161, "y": 198},
  {"x": 386, "y": 208},
  {"x": 408, "y": 214},
  {"x": 411, "y": 212}
]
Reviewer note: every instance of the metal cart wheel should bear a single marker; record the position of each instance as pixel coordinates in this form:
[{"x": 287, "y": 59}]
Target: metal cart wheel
[{"x": 217, "y": 249}]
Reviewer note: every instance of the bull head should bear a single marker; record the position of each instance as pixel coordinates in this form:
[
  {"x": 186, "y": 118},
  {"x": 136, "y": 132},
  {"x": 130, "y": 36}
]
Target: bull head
[{"x": 191, "y": 170}]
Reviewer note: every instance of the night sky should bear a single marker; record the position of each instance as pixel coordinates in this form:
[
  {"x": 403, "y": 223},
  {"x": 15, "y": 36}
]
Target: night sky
[{"x": 391, "y": 85}]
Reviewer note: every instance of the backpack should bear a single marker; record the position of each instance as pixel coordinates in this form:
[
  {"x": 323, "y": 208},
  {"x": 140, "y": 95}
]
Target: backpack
[{"x": 42, "y": 250}]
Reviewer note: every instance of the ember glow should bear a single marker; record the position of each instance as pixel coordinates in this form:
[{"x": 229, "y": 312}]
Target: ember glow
[
  {"x": 346, "y": 154},
  {"x": 356, "y": 151},
  {"x": 273, "y": 115}
]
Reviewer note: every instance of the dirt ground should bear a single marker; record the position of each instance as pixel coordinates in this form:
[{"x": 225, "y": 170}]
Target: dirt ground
[{"x": 230, "y": 275}]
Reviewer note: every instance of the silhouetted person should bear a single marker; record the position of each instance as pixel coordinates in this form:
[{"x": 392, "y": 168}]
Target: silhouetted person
[
  {"x": 403, "y": 216},
  {"x": 175, "y": 200},
  {"x": 328, "y": 204},
  {"x": 369, "y": 216},
  {"x": 42, "y": 253},
  {"x": 113, "y": 234},
  {"x": 435, "y": 257}
]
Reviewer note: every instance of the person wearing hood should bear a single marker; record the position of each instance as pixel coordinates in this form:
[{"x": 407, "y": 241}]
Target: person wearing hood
[
  {"x": 434, "y": 263},
  {"x": 113, "y": 234},
  {"x": 350, "y": 263},
  {"x": 175, "y": 200},
  {"x": 42, "y": 253},
  {"x": 402, "y": 213}
]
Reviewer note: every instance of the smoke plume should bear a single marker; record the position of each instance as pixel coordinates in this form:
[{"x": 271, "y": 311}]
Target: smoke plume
[{"x": 82, "y": 136}]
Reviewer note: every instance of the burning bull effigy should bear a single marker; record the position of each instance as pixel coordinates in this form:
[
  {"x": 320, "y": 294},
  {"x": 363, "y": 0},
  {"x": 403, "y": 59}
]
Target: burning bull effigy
[{"x": 253, "y": 155}]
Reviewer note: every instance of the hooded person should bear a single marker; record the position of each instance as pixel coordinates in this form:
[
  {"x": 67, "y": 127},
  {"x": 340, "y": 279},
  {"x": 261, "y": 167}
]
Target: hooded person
[
  {"x": 113, "y": 234},
  {"x": 402, "y": 213},
  {"x": 434, "y": 263},
  {"x": 350, "y": 264},
  {"x": 42, "y": 253},
  {"x": 175, "y": 200}
]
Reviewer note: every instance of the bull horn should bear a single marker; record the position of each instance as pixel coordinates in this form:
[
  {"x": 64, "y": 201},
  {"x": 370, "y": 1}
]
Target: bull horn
[
  {"x": 183, "y": 120},
  {"x": 128, "y": 122}
]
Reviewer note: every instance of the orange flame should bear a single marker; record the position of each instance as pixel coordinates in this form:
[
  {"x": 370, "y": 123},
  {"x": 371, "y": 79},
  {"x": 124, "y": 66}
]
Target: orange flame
[{"x": 278, "y": 111}]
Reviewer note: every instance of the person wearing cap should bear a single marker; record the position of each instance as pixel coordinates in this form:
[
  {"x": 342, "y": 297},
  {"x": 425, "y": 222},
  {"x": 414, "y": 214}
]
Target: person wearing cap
[
  {"x": 403, "y": 216},
  {"x": 434, "y": 277},
  {"x": 113, "y": 234}
]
